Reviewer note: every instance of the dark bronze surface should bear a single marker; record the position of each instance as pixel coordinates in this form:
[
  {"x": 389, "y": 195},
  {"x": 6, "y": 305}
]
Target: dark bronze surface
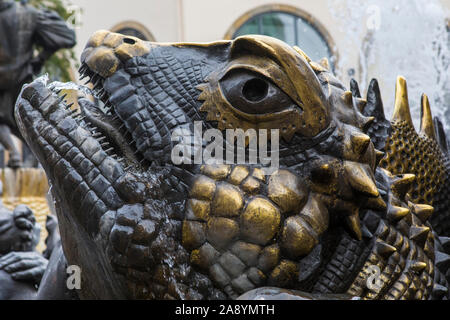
[{"x": 141, "y": 227}]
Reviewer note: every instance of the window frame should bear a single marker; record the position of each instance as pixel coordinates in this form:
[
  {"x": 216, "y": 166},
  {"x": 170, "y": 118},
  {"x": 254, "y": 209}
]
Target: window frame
[
  {"x": 129, "y": 24},
  {"x": 297, "y": 13}
]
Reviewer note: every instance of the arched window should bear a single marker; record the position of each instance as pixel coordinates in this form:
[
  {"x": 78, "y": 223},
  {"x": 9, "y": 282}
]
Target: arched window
[
  {"x": 134, "y": 29},
  {"x": 292, "y": 25}
]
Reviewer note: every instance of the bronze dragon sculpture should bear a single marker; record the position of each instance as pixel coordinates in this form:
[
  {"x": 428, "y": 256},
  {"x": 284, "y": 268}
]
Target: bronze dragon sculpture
[{"x": 353, "y": 191}]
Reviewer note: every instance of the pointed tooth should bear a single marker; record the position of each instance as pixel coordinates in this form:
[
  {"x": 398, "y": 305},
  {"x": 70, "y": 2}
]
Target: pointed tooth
[
  {"x": 419, "y": 234},
  {"x": 418, "y": 266},
  {"x": 423, "y": 211},
  {"x": 366, "y": 123},
  {"x": 359, "y": 180},
  {"x": 426, "y": 124},
  {"x": 442, "y": 260},
  {"x": 376, "y": 204},
  {"x": 374, "y": 101},
  {"x": 445, "y": 241},
  {"x": 354, "y": 88},
  {"x": 354, "y": 225},
  {"x": 383, "y": 249},
  {"x": 401, "y": 108},
  {"x": 402, "y": 184},
  {"x": 62, "y": 98},
  {"x": 397, "y": 213},
  {"x": 348, "y": 98},
  {"x": 109, "y": 150}
]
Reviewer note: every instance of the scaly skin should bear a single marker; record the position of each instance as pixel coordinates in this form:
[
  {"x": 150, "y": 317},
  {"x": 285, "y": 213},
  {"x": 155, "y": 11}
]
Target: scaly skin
[{"x": 141, "y": 227}]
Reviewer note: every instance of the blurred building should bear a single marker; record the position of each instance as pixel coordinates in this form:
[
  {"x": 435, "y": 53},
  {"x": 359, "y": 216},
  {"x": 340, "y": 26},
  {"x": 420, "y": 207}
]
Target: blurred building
[{"x": 312, "y": 25}]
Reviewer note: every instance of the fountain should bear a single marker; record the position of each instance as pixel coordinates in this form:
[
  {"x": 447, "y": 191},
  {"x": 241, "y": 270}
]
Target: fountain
[
  {"x": 404, "y": 37},
  {"x": 27, "y": 186}
]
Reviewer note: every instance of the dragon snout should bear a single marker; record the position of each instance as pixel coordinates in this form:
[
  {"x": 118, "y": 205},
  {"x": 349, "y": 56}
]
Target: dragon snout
[{"x": 105, "y": 51}]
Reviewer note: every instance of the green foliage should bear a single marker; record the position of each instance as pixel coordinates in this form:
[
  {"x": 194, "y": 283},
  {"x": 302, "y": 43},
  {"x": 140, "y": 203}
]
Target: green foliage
[{"x": 59, "y": 65}]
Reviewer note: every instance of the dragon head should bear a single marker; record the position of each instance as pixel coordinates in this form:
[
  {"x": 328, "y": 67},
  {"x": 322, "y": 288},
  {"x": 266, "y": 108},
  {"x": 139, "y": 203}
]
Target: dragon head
[{"x": 144, "y": 227}]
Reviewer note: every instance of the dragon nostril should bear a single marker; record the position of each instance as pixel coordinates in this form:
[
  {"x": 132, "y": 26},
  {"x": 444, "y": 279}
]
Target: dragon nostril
[
  {"x": 129, "y": 40},
  {"x": 255, "y": 90}
]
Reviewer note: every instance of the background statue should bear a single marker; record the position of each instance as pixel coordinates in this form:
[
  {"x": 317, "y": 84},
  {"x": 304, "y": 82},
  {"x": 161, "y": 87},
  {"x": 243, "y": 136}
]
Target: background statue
[
  {"x": 22, "y": 30},
  {"x": 21, "y": 267}
]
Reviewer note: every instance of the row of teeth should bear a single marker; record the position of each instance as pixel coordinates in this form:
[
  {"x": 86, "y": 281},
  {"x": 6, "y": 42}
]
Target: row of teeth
[
  {"x": 100, "y": 93},
  {"x": 80, "y": 119},
  {"x": 97, "y": 83}
]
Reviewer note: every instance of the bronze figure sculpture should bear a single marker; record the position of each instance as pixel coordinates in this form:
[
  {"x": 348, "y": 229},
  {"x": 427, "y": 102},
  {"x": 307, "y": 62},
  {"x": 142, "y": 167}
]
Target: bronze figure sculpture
[
  {"x": 21, "y": 267},
  {"x": 22, "y": 30},
  {"x": 141, "y": 227}
]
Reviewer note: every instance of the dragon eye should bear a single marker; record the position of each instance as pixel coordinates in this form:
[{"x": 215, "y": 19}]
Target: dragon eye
[{"x": 253, "y": 93}]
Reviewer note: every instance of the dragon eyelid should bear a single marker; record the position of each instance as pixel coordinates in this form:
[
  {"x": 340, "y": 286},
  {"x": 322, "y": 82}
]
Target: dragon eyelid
[{"x": 267, "y": 69}]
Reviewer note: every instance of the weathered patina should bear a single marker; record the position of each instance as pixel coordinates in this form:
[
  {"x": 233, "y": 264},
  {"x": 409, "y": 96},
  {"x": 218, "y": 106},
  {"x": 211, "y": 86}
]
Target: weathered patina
[{"x": 141, "y": 227}]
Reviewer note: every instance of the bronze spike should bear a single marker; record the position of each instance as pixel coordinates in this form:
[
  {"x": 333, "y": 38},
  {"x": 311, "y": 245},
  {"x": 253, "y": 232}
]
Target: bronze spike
[
  {"x": 402, "y": 184},
  {"x": 419, "y": 234},
  {"x": 401, "y": 108},
  {"x": 354, "y": 88},
  {"x": 397, "y": 213},
  {"x": 360, "y": 180},
  {"x": 361, "y": 104},
  {"x": 418, "y": 266},
  {"x": 348, "y": 98},
  {"x": 426, "y": 124},
  {"x": 383, "y": 249},
  {"x": 354, "y": 225},
  {"x": 376, "y": 203},
  {"x": 360, "y": 142},
  {"x": 423, "y": 211},
  {"x": 366, "y": 122}
]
